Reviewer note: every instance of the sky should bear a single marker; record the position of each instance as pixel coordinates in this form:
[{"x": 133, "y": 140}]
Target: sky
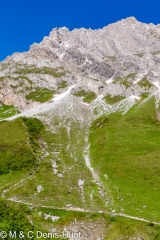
[{"x": 24, "y": 22}]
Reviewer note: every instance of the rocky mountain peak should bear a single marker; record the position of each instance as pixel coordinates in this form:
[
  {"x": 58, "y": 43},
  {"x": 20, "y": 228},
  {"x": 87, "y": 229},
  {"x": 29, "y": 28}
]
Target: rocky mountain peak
[
  {"x": 120, "y": 59},
  {"x": 131, "y": 19}
]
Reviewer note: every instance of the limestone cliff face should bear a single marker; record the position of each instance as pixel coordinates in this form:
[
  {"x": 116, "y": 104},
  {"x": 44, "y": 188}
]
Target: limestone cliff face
[{"x": 123, "y": 57}]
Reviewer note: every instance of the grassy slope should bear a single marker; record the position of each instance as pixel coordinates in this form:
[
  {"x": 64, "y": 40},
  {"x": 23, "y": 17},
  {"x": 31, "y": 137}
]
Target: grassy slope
[
  {"x": 145, "y": 83},
  {"x": 113, "y": 99},
  {"x": 125, "y": 80},
  {"x": 7, "y": 111},
  {"x": 55, "y": 72},
  {"x": 56, "y": 193},
  {"x": 67, "y": 151},
  {"x": 19, "y": 144},
  {"x": 87, "y": 96},
  {"x": 16, "y": 217},
  {"x": 63, "y": 84},
  {"x": 40, "y": 95},
  {"x": 127, "y": 149},
  {"x": 117, "y": 228}
]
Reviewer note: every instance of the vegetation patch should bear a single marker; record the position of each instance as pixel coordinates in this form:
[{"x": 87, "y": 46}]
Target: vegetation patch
[
  {"x": 126, "y": 149},
  {"x": 63, "y": 84},
  {"x": 23, "y": 77},
  {"x": 95, "y": 79},
  {"x": 87, "y": 96},
  {"x": 113, "y": 99},
  {"x": 59, "y": 172},
  {"x": 14, "y": 219},
  {"x": 155, "y": 53},
  {"x": 7, "y": 111},
  {"x": 145, "y": 83},
  {"x": 55, "y": 72},
  {"x": 139, "y": 54},
  {"x": 34, "y": 127},
  {"x": 124, "y": 228},
  {"x": 16, "y": 78},
  {"x": 125, "y": 80},
  {"x": 19, "y": 144},
  {"x": 40, "y": 95},
  {"x": 145, "y": 95},
  {"x": 2, "y": 78},
  {"x": 111, "y": 59}
]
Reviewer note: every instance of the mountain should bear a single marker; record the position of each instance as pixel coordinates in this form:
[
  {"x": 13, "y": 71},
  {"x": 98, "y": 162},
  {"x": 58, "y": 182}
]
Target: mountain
[{"x": 79, "y": 145}]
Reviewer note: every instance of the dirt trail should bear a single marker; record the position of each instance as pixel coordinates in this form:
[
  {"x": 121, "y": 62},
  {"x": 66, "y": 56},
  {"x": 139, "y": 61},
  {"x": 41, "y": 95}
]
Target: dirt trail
[
  {"x": 74, "y": 209},
  {"x": 16, "y": 184}
]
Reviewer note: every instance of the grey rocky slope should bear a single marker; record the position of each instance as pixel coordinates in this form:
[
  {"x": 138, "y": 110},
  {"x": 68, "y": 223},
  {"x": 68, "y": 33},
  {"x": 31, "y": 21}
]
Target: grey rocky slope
[{"x": 121, "y": 59}]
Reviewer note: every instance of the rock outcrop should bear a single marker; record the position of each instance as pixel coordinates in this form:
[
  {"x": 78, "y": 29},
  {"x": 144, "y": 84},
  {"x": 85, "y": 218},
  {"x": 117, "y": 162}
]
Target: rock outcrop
[{"x": 123, "y": 57}]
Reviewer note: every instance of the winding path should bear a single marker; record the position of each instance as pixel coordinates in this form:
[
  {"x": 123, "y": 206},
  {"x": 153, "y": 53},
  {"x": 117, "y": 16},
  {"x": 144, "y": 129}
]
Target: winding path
[{"x": 74, "y": 209}]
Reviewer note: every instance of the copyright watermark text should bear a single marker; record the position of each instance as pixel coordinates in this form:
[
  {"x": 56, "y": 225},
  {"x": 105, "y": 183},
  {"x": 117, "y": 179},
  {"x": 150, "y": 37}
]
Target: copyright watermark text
[{"x": 39, "y": 234}]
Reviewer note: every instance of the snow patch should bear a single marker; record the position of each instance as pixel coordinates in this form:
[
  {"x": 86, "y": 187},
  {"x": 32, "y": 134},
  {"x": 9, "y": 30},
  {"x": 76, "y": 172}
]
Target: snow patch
[
  {"x": 139, "y": 77},
  {"x": 157, "y": 99},
  {"x": 110, "y": 80},
  {"x": 40, "y": 109},
  {"x": 135, "y": 97},
  {"x": 62, "y": 95},
  {"x": 99, "y": 97},
  {"x": 157, "y": 85}
]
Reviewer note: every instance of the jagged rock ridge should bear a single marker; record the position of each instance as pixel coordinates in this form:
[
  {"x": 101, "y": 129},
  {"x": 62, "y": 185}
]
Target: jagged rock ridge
[{"x": 120, "y": 59}]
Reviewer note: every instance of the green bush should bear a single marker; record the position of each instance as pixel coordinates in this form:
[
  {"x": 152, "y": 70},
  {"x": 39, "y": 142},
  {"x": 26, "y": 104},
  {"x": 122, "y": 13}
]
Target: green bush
[
  {"x": 87, "y": 96},
  {"x": 40, "y": 95},
  {"x": 13, "y": 219},
  {"x": 112, "y": 100}
]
